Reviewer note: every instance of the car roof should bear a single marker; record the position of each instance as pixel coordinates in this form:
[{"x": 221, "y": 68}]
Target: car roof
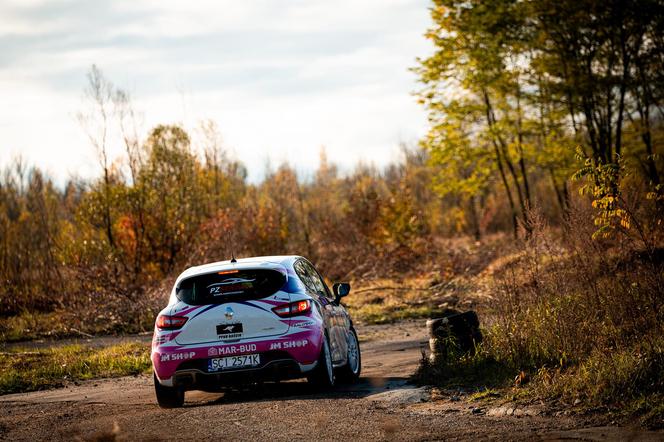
[{"x": 271, "y": 262}]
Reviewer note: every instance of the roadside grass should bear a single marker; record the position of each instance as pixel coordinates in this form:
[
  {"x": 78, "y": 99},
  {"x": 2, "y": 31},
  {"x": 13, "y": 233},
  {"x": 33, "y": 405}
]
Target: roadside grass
[
  {"x": 576, "y": 322},
  {"x": 33, "y": 325},
  {"x": 22, "y": 371},
  {"x": 625, "y": 374},
  {"x": 385, "y": 301},
  {"x": 456, "y": 275},
  {"x": 626, "y": 383},
  {"x": 382, "y": 314},
  {"x": 649, "y": 408},
  {"x": 487, "y": 395},
  {"x": 478, "y": 372}
]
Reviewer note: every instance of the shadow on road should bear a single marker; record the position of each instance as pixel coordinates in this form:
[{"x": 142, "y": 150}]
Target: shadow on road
[
  {"x": 296, "y": 390},
  {"x": 387, "y": 365}
]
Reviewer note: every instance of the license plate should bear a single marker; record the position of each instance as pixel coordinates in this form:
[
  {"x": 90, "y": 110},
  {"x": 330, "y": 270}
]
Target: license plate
[{"x": 231, "y": 362}]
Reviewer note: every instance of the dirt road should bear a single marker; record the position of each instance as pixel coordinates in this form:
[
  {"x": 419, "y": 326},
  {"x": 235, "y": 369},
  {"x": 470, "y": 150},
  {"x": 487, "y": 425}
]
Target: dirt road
[{"x": 381, "y": 407}]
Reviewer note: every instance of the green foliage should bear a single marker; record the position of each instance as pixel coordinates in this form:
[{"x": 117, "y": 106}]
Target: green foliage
[
  {"x": 604, "y": 187},
  {"x": 171, "y": 216},
  {"x": 489, "y": 122},
  {"x": 31, "y": 325},
  {"x": 513, "y": 87},
  {"x": 605, "y": 184}
]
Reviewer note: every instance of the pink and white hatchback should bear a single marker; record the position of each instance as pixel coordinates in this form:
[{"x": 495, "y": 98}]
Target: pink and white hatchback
[{"x": 252, "y": 320}]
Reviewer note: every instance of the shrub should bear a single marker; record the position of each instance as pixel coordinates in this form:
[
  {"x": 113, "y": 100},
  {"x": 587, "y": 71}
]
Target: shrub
[{"x": 581, "y": 317}]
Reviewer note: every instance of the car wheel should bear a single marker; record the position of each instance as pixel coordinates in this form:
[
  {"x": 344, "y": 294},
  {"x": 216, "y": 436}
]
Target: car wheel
[
  {"x": 322, "y": 376},
  {"x": 168, "y": 397},
  {"x": 351, "y": 371}
]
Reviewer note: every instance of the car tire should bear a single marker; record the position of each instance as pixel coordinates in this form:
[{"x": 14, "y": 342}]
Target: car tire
[
  {"x": 168, "y": 397},
  {"x": 350, "y": 372},
  {"x": 322, "y": 376}
]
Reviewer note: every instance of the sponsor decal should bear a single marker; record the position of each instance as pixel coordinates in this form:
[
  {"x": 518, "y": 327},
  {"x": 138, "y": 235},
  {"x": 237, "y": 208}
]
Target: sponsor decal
[
  {"x": 231, "y": 350},
  {"x": 230, "y": 286},
  {"x": 288, "y": 344},
  {"x": 177, "y": 356},
  {"x": 230, "y": 331}
]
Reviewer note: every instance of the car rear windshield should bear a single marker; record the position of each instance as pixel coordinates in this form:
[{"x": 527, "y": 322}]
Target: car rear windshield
[{"x": 230, "y": 285}]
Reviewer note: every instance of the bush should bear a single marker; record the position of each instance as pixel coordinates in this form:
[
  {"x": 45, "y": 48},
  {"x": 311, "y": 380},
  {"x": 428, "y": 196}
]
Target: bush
[{"x": 581, "y": 317}]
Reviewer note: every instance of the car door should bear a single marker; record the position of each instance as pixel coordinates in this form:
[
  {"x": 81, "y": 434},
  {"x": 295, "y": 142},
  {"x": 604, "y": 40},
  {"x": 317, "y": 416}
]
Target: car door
[
  {"x": 317, "y": 290},
  {"x": 338, "y": 316},
  {"x": 308, "y": 276}
]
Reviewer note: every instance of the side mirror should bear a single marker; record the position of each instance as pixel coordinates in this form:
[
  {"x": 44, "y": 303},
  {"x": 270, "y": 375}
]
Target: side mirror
[{"x": 340, "y": 290}]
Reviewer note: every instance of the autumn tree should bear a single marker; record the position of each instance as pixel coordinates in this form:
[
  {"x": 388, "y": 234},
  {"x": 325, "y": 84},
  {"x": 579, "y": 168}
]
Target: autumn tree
[
  {"x": 515, "y": 88},
  {"x": 96, "y": 121},
  {"x": 30, "y": 265},
  {"x": 171, "y": 181},
  {"x": 474, "y": 89}
]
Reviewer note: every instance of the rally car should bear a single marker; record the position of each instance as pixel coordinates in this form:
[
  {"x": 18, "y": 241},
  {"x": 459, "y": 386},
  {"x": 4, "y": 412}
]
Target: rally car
[{"x": 252, "y": 320}]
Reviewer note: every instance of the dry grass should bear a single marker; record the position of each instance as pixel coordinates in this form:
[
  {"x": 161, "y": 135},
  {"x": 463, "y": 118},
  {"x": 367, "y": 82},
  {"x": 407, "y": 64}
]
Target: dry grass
[
  {"x": 575, "y": 320},
  {"x": 111, "y": 315},
  {"x": 455, "y": 275},
  {"x": 75, "y": 323},
  {"x": 22, "y": 371},
  {"x": 383, "y": 301}
]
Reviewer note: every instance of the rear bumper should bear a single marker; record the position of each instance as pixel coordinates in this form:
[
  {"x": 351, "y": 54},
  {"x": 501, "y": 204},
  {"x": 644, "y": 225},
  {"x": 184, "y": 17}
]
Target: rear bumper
[
  {"x": 275, "y": 370},
  {"x": 286, "y": 357}
]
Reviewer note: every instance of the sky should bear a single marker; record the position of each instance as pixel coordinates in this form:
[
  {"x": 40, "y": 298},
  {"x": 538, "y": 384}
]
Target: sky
[{"x": 281, "y": 78}]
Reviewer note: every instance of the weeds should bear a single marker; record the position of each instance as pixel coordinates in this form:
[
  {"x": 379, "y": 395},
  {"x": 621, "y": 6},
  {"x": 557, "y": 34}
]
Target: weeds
[
  {"x": 22, "y": 371},
  {"x": 106, "y": 319},
  {"x": 576, "y": 320},
  {"x": 382, "y": 314},
  {"x": 452, "y": 276},
  {"x": 479, "y": 371}
]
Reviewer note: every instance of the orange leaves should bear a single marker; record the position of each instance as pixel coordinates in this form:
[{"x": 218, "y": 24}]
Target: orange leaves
[{"x": 125, "y": 234}]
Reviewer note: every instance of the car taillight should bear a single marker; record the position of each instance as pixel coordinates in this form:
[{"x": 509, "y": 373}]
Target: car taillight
[
  {"x": 166, "y": 322},
  {"x": 293, "y": 309}
]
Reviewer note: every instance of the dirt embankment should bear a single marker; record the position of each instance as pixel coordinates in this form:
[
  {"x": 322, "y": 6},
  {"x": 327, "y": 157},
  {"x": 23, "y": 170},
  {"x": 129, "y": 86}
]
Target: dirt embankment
[{"x": 382, "y": 406}]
